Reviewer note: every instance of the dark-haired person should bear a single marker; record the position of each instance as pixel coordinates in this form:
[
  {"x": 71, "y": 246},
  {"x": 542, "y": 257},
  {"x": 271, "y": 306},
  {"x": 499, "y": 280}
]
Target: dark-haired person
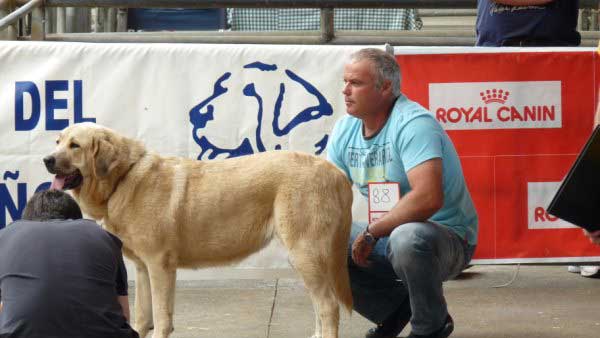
[
  {"x": 61, "y": 275},
  {"x": 527, "y": 23}
]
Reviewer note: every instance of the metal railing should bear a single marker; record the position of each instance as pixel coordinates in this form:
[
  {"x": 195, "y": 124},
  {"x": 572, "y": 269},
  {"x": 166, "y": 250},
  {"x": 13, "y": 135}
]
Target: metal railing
[{"x": 34, "y": 13}]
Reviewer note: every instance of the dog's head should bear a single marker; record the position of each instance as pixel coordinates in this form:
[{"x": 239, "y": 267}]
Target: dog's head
[{"x": 90, "y": 159}]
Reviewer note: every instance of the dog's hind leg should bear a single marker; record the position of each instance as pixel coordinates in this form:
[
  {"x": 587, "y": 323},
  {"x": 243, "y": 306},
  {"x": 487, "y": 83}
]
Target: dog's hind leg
[
  {"x": 163, "y": 275},
  {"x": 143, "y": 298}
]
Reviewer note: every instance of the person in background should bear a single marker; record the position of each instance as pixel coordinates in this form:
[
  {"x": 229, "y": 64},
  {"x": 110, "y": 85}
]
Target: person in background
[
  {"x": 61, "y": 275},
  {"x": 594, "y": 237},
  {"x": 399, "y": 261},
  {"x": 527, "y": 23},
  {"x": 592, "y": 271}
]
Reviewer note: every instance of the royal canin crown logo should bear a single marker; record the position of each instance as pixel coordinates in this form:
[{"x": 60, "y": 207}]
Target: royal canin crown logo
[{"x": 494, "y": 95}]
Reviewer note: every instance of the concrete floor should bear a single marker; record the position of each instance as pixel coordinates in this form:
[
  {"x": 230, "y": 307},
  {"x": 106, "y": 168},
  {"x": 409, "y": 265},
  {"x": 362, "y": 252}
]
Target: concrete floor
[{"x": 543, "y": 301}]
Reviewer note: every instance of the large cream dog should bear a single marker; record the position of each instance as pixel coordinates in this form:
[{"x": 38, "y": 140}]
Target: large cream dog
[{"x": 176, "y": 212}]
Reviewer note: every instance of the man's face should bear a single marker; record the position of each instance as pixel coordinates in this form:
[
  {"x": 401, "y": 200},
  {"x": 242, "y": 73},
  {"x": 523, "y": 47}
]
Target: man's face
[{"x": 360, "y": 90}]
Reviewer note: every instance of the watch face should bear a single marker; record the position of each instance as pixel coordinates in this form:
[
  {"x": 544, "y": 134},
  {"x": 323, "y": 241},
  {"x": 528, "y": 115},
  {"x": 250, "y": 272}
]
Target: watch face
[{"x": 369, "y": 238}]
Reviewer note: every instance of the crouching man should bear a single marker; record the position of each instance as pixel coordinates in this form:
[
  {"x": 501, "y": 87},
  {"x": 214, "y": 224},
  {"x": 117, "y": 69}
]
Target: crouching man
[
  {"x": 61, "y": 275},
  {"x": 400, "y": 260}
]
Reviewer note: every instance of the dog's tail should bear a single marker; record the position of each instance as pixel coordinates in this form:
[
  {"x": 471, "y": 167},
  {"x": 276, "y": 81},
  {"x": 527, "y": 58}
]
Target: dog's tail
[{"x": 339, "y": 269}]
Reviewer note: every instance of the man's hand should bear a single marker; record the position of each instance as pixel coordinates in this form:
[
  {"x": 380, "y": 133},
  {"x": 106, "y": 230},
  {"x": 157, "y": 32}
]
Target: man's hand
[
  {"x": 124, "y": 301},
  {"x": 361, "y": 251},
  {"x": 593, "y": 236}
]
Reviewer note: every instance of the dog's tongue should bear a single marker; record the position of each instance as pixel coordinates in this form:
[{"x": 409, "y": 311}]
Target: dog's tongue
[{"x": 58, "y": 183}]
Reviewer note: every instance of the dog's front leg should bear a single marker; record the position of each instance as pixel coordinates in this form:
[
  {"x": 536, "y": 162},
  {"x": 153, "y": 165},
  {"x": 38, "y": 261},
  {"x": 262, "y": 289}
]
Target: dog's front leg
[
  {"x": 318, "y": 327},
  {"x": 162, "y": 284},
  {"x": 143, "y": 299}
]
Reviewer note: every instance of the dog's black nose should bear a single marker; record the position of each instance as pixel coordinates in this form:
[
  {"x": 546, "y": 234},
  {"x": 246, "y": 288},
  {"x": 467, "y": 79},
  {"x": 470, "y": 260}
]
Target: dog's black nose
[{"x": 49, "y": 161}]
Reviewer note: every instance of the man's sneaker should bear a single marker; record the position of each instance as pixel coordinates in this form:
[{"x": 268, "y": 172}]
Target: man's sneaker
[
  {"x": 443, "y": 332},
  {"x": 394, "y": 324},
  {"x": 574, "y": 269}
]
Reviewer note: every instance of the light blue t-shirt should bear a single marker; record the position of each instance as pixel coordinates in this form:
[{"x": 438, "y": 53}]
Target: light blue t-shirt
[{"x": 410, "y": 137}]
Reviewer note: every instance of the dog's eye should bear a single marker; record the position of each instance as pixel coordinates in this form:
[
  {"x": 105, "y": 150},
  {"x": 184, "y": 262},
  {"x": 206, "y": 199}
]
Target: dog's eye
[{"x": 73, "y": 145}]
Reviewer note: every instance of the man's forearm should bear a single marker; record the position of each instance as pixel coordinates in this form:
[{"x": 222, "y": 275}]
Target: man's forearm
[
  {"x": 411, "y": 208},
  {"x": 418, "y": 204},
  {"x": 522, "y": 2}
]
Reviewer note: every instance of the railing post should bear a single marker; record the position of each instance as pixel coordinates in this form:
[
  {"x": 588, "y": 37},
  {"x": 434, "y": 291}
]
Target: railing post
[
  {"x": 49, "y": 19},
  {"x": 38, "y": 32},
  {"x": 4, "y": 10},
  {"x": 111, "y": 20},
  {"x": 121, "y": 19},
  {"x": 594, "y": 20},
  {"x": 10, "y": 33},
  {"x": 94, "y": 18},
  {"x": 327, "y": 31},
  {"x": 70, "y": 17},
  {"x": 103, "y": 19},
  {"x": 584, "y": 20},
  {"x": 61, "y": 20},
  {"x": 99, "y": 20}
]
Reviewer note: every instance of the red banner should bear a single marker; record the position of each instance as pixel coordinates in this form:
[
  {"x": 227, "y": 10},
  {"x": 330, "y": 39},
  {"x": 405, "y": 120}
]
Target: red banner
[{"x": 518, "y": 120}]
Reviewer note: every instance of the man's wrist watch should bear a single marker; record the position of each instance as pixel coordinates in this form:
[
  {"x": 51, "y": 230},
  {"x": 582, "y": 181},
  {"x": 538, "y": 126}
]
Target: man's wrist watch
[{"x": 369, "y": 238}]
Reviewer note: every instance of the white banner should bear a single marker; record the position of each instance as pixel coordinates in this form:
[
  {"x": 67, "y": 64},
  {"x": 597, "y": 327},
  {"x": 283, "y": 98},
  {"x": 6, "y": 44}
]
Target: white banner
[
  {"x": 197, "y": 101},
  {"x": 539, "y": 196},
  {"x": 497, "y": 105}
]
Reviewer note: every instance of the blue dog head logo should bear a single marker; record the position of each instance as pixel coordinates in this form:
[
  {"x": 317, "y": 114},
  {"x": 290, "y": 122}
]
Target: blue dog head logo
[{"x": 204, "y": 115}]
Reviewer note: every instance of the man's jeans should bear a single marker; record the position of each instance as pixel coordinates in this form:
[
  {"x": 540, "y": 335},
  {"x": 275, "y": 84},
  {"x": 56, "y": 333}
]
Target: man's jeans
[{"x": 413, "y": 261}]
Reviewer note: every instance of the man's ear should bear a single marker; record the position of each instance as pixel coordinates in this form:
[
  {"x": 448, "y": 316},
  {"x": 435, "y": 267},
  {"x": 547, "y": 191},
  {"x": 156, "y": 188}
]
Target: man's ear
[
  {"x": 386, "y": 87},
  {"x": 105, "y": 157}
]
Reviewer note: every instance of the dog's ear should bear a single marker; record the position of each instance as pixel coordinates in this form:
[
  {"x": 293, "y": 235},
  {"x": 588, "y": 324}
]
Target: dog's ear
[{"x": 105, "y": 157}]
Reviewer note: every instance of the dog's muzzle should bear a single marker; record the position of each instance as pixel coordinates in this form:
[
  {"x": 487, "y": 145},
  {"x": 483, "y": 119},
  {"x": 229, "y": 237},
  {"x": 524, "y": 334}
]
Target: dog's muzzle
[{"x": 50, "y": 162}]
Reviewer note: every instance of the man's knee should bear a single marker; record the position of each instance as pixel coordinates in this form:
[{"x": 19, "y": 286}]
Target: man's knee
[{"x": 408, "y": 240}]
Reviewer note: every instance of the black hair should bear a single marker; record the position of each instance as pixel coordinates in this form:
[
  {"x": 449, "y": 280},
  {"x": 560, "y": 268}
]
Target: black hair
[{"x": 51, "y": 204}]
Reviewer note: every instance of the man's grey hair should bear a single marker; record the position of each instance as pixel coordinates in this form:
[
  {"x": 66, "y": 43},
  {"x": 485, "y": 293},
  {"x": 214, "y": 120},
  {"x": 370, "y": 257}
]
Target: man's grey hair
[{"x": 384, "y": 64}]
